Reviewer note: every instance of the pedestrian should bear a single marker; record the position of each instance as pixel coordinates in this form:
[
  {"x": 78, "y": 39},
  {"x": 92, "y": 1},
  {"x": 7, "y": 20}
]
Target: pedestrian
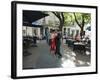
[
  {"x": 47, "y": 34},
  {"x": 53, "y": 42},
  {"x": 41, "y": 36},
  {"x": 35, "y": 40},
  {"x": 58, "y": 44}
]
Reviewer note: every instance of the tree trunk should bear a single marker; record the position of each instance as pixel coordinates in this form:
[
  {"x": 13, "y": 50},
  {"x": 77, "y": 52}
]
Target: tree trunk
[
  {"x": 80, "y": 25},
  {"x": 60, "y": 16},
  {"x": 61, "y": 26},
  {"x": 81, "y": 32}
]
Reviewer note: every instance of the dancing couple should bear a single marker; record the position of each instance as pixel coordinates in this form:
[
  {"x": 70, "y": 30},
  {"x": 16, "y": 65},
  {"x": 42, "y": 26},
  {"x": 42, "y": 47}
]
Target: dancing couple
[{"x": 55, "y": 43}]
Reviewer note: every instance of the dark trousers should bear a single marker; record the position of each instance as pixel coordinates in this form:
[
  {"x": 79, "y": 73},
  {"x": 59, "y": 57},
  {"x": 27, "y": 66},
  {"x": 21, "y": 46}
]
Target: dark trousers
[{"x": 58, "y": 50}]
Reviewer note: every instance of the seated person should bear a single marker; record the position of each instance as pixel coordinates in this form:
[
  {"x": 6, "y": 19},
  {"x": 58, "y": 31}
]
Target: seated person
[{"x": 77, "y": 38}]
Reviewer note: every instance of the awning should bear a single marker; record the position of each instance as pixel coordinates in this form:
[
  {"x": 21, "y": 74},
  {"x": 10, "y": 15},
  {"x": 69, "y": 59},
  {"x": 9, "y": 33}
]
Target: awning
[
  {"x": 32, "y": 25},
  {"x": 32, "y": 16}
]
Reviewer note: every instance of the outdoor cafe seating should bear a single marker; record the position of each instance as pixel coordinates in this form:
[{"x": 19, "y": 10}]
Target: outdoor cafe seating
[
  {"x": 27, "y": 43},
  {"x": 78, "y": 45},
  {"x": 70, "y": 42}
]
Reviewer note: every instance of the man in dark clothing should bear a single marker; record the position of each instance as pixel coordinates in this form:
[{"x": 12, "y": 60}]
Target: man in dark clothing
[{"x": 58, "y": 44}]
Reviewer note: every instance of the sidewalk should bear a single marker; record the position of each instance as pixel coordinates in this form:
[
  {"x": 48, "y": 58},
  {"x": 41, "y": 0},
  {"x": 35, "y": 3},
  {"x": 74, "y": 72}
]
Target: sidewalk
[{"x": 42, "y": 58}]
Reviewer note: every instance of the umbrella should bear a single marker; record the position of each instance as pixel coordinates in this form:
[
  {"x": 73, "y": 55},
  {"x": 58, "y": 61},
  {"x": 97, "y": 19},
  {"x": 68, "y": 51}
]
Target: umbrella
[
  {"x": 32, "y": 16},
  {"x": 88, "y": 28}
]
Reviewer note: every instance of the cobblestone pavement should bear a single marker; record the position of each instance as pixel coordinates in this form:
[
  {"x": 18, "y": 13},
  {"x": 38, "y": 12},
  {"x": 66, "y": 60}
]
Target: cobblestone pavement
[{"x": 41, "y": 57}]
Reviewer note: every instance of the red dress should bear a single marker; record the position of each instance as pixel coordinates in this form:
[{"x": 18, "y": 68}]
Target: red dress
[{"x": 53, "y": 43}]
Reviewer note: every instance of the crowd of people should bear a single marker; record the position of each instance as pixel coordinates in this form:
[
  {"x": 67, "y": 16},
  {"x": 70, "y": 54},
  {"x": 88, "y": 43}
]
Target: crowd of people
[{"x": 53, "y": 39}]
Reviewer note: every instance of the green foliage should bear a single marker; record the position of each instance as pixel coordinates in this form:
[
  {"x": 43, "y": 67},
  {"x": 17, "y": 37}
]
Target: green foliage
[
  {"x": 70, "y": 19},
  {"x": 85, "y": 16}
]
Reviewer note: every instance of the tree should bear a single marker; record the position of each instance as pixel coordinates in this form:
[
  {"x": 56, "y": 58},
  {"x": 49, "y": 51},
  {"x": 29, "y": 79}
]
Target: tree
[
  {"x": 61, "y": 18},
  {"x": 81, "y": 19}
]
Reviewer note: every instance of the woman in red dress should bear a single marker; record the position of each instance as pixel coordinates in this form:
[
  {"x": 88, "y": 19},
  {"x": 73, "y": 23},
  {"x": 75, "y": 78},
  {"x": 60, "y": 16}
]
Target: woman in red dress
[{"x": 53, "y": 42}]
